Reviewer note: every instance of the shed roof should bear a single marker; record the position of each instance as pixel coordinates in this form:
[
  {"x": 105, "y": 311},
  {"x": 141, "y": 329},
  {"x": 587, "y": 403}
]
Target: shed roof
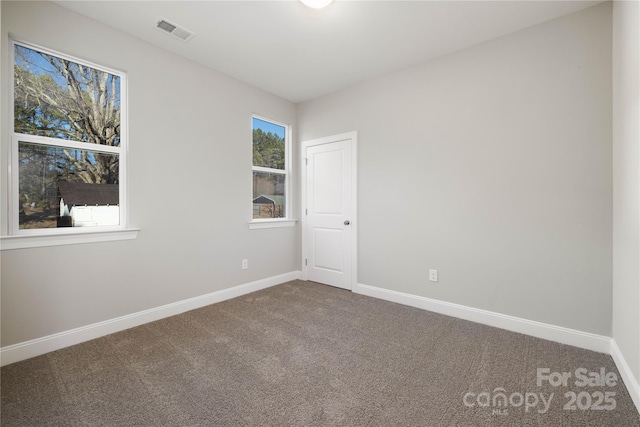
[
  {"x": 80, "y": 193},
  {"x": 269, "y": 200}
]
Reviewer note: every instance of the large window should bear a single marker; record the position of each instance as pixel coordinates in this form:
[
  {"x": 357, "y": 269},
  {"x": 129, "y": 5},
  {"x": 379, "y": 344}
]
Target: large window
[
  {"x": 67, "y": 148},
  {"x": 270, "y": 169}
]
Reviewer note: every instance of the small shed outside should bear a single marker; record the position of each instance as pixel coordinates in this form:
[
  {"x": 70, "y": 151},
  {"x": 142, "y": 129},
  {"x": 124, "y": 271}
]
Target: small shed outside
[
  {"x": 84, "y": 205},
  {"x": 268, "y": 206}
]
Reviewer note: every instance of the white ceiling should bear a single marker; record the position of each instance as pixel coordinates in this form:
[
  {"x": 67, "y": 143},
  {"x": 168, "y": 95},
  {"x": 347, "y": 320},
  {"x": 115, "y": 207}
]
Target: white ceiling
[{"x": 300, "y": 53}]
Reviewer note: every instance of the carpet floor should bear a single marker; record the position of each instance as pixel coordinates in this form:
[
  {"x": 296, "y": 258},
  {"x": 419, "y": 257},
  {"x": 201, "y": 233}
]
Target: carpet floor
[{"x": 304, "y": 354}]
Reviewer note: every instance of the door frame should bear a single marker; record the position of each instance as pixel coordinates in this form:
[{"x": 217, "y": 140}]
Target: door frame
[{"x": 353, "y": 136}]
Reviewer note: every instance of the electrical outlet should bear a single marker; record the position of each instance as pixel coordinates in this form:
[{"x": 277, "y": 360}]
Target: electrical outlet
[
  {"x": 245, "y": 264},
  {"x": 433, "y": 275}
]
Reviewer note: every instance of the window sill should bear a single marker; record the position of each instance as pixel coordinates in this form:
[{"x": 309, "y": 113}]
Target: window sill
[
  {"x": 43, "y": 240},
  {"x": 272, "y": 223}
]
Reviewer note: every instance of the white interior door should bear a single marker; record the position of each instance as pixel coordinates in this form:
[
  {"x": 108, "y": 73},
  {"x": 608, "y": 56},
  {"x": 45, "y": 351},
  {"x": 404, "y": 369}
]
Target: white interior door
[{"x": 329, "y": 210}]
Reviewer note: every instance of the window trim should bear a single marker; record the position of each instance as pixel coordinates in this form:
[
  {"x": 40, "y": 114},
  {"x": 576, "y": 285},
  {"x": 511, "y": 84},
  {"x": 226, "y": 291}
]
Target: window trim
[
  {"x": 287, "y": 220},
  {"x": 69, "y": 238},
  {"x": 14, "y": 237},
  {"x": 257, "y": 224}
]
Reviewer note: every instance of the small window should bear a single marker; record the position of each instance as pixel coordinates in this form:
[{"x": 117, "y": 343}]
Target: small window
[
  {"x": 67, "y": 142},
  {"x": 270, "y": 169}
]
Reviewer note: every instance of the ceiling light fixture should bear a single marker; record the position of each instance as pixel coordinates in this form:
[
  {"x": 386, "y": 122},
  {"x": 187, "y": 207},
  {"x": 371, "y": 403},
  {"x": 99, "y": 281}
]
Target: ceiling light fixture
[{"x": 316, "y": 4}]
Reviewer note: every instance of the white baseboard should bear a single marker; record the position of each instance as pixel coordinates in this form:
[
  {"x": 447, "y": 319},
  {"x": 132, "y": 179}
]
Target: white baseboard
[
  {"x": 25, "y": 350},
  {"x": 599, "y": 343},
  {"x": 625, "y": 372},
  {"x": 38, "y": 346},
  {"x": 559, "y": 334}
]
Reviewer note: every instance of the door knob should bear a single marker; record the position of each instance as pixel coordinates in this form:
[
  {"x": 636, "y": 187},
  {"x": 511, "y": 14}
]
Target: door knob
[{"x": 347, "y": 222}]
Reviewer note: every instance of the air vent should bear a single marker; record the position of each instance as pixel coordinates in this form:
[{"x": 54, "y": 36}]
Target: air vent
[{"x": 175, "y": 30}]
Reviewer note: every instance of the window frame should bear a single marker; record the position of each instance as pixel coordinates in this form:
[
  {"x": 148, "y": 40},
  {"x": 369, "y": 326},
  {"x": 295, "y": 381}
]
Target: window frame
[
  {"x": 286, "y": 220},
  {"x": 14, "y": 237}
]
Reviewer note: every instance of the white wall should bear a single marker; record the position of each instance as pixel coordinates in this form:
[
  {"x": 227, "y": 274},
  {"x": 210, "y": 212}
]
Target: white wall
[
  {"x": 626, "y": 181},
  {"x": 189, "y": 188},
  {"x": 494, "y": 166}
]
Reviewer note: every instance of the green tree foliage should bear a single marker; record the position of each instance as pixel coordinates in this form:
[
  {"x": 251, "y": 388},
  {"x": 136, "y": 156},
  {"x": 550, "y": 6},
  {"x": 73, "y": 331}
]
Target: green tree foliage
[{"x": 268, "y": 149}]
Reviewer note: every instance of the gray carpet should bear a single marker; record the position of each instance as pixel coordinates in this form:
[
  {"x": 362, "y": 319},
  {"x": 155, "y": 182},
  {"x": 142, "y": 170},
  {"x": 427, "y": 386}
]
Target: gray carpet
[{"x": 304, "y": 354}]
